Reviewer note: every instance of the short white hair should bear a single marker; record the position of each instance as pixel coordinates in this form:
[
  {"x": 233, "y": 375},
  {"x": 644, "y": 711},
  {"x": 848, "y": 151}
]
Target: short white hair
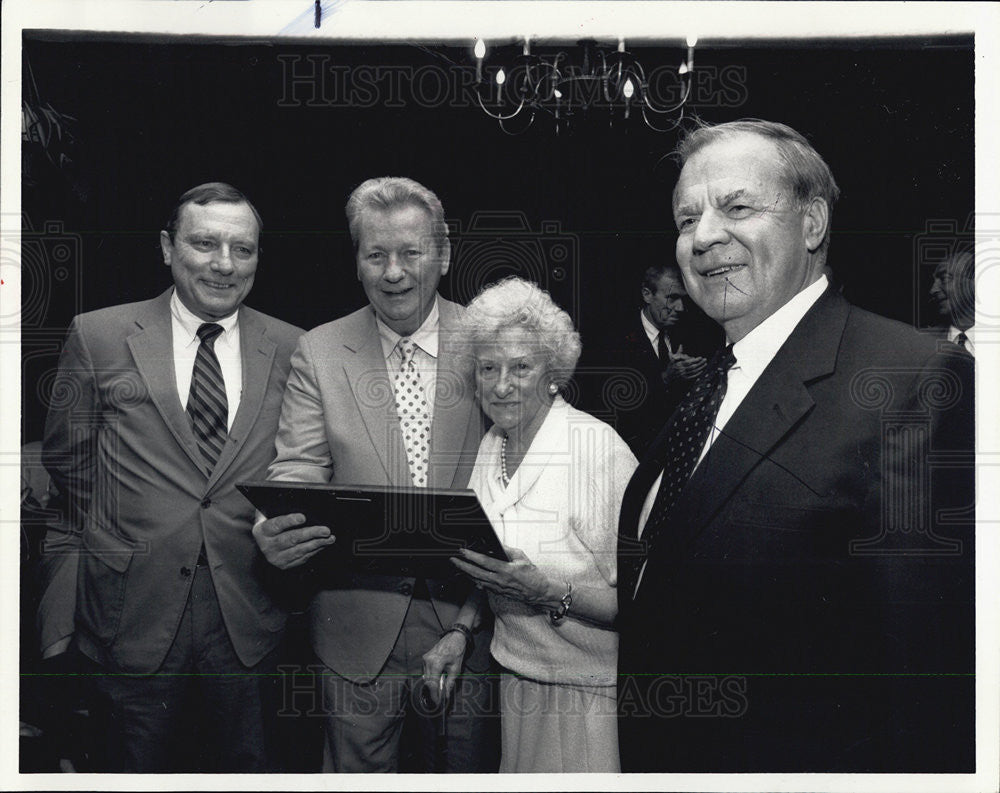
[{"x": 516, "y": 303}]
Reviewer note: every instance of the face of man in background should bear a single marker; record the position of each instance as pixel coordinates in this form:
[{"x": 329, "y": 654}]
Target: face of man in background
[
  {"x": 743, "y": 245},
  {"x": 665, "y": 306},
  {"x": 954, "y": 289},
  {"x": 213, "y": 257},
  {"x": 400, "y": 264}
]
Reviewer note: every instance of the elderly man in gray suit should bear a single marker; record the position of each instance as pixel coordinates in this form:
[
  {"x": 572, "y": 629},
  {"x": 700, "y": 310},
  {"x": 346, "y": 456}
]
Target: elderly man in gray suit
[
  {"x": 382, "y": 397},
  {"x": 158, "y": 409}
]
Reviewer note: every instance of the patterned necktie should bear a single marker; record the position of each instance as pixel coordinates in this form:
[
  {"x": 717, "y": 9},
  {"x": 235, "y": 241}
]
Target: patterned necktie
[
  {"x": 688, "y": 430},
  {"x": 207, "y": 406},
  {"x": 414, "y": 416},
  {"x": 961, "y": 340}
]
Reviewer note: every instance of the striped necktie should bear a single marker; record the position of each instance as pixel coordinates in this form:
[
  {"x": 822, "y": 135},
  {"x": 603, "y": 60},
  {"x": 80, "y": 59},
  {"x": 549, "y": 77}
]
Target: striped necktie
[{"x": 207, "y": 406}]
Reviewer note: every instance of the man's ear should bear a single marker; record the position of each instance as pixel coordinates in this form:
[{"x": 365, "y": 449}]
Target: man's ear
[
  {"x": 167, "y": 247},
  {"x": 445, "y": 254},
  {"x": 815, "y": 220},
  {"x": 647, "y": 296}
]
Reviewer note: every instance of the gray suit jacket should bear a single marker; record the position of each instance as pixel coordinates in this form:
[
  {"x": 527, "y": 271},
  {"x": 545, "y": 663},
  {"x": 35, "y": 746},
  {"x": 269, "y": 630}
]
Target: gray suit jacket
[
  {"x": 339, "y": 425},
  {"x": 136, "y": 503}
]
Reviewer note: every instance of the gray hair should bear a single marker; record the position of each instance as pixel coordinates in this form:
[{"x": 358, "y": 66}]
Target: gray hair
[
  {"x": 391, "y": 192},
  {"x": 651, "y": 277},
  {"x": 806, "y": 172},
  {"x": 516, "y": 303}
]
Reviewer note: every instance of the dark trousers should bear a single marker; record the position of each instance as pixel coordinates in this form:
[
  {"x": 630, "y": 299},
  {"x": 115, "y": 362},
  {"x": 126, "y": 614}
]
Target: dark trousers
[{"x": 143, "y": 722}]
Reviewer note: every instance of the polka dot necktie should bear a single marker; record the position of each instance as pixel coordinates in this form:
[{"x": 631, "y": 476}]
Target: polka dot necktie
[
  {"x": 207, "y": 407},
  {"x": 414, "y": 416},
  {"x": 961, "y": 340},
  {"x": 688, "y": 431}
]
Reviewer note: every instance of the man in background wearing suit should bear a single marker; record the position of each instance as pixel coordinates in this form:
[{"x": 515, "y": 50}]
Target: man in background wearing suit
[
  {"x": 382, "y": 397},
  {"x": 954, "y": 291},
  {"x": 158, "y": 409},
  {"x": 802, "y": 601},
  {"x": 668, "y": 348}
]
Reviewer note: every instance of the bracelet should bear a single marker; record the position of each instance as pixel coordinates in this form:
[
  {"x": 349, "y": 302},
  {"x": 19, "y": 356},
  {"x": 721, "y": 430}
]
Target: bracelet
[
  {"x": 564, "y": 603},
  {"x": 466, "y": 632}
]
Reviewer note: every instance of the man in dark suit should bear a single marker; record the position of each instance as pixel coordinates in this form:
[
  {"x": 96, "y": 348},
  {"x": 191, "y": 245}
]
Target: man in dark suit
[
  {"x": 668, "y": 347},
  {"x": 345, "y": 421},
  {"x": 802, "y": 601},
  {"x": 954, "y": 291},
  {"x": 158, "y": 409}
]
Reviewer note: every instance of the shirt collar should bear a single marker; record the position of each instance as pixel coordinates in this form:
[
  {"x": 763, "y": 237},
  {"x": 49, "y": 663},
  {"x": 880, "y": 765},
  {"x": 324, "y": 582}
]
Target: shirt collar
[
  {"x": 425, "y": 337},
  {"x": 756, "y": 350},
  {"x": 190, "y": 322},
  {"x": 970, "y": 334},
  {"x": 652, "y": 331}
]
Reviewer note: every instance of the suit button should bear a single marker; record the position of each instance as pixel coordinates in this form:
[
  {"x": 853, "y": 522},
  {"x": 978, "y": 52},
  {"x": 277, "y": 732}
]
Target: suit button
[
  {"x": 186, "y": 572},
  {"x": 206, "y": 503},
  {"x": 406, "y": 589}
]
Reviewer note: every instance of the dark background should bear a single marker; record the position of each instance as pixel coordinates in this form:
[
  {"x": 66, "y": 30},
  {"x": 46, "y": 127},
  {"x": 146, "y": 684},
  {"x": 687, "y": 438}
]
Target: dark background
[{"x": 584, "y": 211}]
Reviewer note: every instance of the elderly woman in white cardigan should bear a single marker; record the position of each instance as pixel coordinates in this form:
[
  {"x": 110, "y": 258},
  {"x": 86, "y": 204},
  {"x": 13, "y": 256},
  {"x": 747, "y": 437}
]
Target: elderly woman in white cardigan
[{"x": 551, "y": 480}]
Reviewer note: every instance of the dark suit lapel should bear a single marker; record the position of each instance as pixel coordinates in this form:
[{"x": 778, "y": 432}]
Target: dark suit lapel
[
  {"x": 776, "y": 403},
  {"x": 453, "y": 404},
  {"x": 642, "y": 351},
  {"x": 152, "y": 350},
  {"x": 257, "y": 353},
  {"x": 373, "y": 394}
]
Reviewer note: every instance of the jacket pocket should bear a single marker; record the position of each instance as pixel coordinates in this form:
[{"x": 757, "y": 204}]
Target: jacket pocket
[{"x": 104, "y": 568}]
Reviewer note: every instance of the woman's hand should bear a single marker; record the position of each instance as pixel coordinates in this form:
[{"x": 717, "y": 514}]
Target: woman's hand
[
  {"x": 518, "y": 579},
  {"x": 442, "y": 664}
]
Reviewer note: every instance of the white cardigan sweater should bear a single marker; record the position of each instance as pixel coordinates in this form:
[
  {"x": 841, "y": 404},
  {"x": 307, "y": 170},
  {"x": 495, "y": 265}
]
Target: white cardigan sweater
[{"x": 561, "y": 509}]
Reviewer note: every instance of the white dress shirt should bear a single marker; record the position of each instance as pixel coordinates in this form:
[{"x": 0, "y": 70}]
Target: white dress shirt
[
  {"x": 184, "y": 326},
  {"x": 425, "y": 355},
  {"x": 653, "y": 334}
]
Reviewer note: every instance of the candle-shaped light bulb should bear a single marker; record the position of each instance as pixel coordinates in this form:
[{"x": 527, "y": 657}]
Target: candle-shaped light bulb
[
  {"x": 683, "y": 69},
  {"x": 480, "y": 52},
  {"x": 628, "y": 90},
  {"x": 692, "y": 39},
  {"x": 501, "y": 79},
  {"x": 527, "y": 46},
  {"x": 621, "y": 45}
]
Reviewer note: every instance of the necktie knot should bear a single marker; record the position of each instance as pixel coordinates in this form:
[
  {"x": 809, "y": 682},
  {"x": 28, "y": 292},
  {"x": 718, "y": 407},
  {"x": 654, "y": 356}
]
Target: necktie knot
[
  {"x": 724, "y": 359},
  {"x": 406, "y": 350},
  {"x": 208, "y": 332},
  {"x": 961, "y": 339}
]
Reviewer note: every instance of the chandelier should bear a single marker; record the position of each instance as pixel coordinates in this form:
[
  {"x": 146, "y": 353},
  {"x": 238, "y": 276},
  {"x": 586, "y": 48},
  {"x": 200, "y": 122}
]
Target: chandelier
[{"x": 604, "y": 81}]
